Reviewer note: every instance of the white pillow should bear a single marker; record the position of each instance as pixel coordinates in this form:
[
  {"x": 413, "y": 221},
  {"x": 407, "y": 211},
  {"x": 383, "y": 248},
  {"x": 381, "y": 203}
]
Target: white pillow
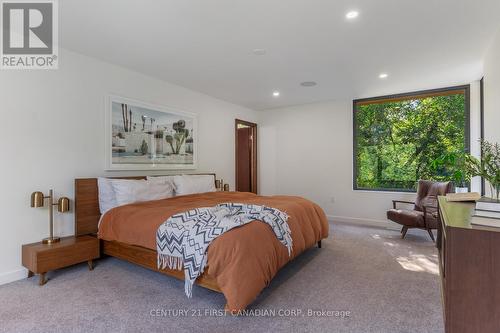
[
  {"x": 130, "y": 191},
  {"x": 162, "y": 179},
  {"x": 190, "y": 184},
  {"x": 107, "y": 198},
  {"x": 159, "y": 189}
]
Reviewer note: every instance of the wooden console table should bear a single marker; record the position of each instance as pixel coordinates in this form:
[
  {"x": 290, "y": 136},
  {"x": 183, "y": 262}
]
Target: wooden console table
[{"x": 469, "y": 265}]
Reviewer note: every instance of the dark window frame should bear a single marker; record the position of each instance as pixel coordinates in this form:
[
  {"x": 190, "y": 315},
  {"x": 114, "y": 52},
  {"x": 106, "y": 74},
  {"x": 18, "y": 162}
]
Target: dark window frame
[{"x": 405, "y": 96}]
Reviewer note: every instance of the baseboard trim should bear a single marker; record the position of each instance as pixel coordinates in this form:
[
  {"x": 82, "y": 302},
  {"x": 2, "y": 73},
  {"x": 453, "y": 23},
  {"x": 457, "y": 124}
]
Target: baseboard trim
[
  {"x": 362, "y": 221},
  {"x": 13, "y": 276}
]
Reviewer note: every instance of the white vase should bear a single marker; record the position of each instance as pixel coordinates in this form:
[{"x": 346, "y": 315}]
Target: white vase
[{"x": 461, "y": 189}]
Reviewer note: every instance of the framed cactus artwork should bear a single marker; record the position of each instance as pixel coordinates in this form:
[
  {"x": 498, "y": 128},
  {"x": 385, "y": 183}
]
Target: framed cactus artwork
[{"x": 142, "y": 136}]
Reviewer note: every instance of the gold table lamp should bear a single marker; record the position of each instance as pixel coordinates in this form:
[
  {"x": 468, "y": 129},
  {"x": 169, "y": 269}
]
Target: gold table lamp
[{"x": 38, "y": 199}]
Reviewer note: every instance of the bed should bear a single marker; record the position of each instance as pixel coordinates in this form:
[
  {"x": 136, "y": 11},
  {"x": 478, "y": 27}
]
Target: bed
[{"x": 241, "y": 262}]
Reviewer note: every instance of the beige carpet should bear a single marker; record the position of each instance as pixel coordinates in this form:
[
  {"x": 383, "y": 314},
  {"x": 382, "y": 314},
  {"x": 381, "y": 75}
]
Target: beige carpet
[{"x": 387, "y": 285}]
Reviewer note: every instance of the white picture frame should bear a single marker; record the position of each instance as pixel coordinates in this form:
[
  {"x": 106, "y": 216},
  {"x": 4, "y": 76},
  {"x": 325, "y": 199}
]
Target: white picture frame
[{"x": 144, "y": 136}]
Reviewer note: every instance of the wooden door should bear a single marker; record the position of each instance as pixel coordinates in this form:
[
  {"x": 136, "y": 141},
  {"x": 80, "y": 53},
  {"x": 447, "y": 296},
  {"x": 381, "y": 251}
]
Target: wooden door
[{"x": 246, "y": 156}]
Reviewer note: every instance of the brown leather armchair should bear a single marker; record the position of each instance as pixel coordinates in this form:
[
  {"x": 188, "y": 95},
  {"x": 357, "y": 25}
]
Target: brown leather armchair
[{"x": 424, "y": 214}]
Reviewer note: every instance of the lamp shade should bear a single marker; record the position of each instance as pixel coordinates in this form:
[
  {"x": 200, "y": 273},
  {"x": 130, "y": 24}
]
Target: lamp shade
[
  {"x": 63, "y": 205},
  {"x": 37, "y": 199}
]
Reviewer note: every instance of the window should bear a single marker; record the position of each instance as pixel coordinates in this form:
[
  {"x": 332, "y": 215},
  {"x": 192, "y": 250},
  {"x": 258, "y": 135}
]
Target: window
[{"x": 396, "y": 138}]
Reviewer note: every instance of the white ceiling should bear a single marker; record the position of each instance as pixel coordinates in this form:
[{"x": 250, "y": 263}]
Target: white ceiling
[{"x": 206, "y": 45}]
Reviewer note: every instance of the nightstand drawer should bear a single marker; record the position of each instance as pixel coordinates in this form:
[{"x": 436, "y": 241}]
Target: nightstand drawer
[{"x": 41, "y": 258}]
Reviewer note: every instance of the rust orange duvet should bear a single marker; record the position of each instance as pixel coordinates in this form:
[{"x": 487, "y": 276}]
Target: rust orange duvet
[{"x": 243, "y": 260}]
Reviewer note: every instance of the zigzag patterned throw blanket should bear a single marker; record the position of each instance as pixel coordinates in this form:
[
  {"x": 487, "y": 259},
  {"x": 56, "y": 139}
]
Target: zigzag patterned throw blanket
[{"x": 183, "y": 239}]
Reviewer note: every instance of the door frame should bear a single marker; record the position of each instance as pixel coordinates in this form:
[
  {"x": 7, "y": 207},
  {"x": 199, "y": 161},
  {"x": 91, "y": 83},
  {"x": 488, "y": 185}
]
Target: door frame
[{"x": 253, "y": 171}]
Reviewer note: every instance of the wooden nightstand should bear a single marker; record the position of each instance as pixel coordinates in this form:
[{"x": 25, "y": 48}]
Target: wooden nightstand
[{"x": 40, "y": 258}]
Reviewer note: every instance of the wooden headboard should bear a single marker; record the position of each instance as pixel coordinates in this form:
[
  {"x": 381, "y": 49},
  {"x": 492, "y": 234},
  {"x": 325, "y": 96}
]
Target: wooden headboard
[{"x": 87, "y": 213}]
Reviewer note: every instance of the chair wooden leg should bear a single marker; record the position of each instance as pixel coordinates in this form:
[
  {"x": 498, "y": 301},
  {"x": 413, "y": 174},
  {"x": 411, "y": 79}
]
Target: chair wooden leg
[
  {"x": 319, "y": 244},
  {"x": 431, "y": 234},
  {"x": 43, "y": 280},
  {"x": 403, "y": 232}
]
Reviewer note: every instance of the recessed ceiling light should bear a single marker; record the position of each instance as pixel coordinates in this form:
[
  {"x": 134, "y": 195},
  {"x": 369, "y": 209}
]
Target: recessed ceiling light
[
  {"x": 308, "y": 84},
  {"x": 352, "y": 14},
  {"x": 259, "y": 52},
  {"x": 383, "y": 76},
  {"x": 276, "y": 93}
]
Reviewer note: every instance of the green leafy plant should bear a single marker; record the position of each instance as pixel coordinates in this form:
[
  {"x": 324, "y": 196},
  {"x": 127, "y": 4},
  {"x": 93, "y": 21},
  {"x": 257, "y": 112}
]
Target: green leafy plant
[
  {"x": 488, "y": 166},
  {"x": 454, "y": 166}
]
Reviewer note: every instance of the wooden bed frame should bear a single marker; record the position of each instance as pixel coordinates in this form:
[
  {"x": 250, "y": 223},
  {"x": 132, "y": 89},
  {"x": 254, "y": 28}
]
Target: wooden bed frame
[{"x": 87, "y": 215}]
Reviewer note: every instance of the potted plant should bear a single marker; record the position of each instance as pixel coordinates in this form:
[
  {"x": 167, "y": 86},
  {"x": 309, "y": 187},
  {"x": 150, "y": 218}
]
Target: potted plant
[
  {"x": 488, "y": 167},
  {"x": 455, "y": 166}
]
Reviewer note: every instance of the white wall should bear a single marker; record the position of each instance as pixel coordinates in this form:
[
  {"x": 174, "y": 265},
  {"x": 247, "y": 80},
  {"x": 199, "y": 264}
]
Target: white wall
[
  {"x": 52, "y": 131},
  {"x": 492, "y": 91},
  {"x": 307, "y": 150}
]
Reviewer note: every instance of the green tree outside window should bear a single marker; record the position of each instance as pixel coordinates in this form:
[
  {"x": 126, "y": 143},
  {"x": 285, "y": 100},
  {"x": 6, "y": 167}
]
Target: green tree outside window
[{"x": 397, "y": 139}]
